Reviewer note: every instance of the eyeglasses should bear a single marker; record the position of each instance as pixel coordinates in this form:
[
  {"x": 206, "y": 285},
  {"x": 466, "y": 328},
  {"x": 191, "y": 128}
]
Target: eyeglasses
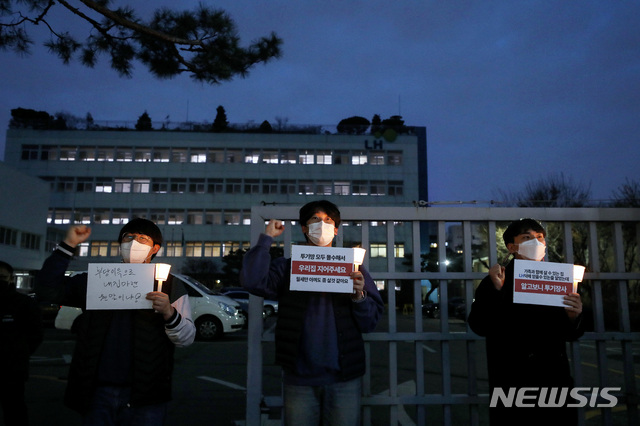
[{"x": 141, "y": 238}]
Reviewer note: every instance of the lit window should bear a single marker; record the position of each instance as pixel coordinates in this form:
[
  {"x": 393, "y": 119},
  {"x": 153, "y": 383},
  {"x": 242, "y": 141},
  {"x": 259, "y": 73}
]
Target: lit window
[
  {"x": 231, "y": 217},
  {"x": 124, "y": 154},
  {"x": 252, "y": 157},
  {"x": 161, "y": 155},
  {"x": 122, "y": 185},
  {"x": 270, "y": 157},
  {"x": 378, "y": 250},
  {"x": 288, "y": 157},
  {"x": 359, "y": 158},
  {"x": 99, "y": 248},
  {"x": 198, "y": 156},
  {"x": 305, "y": 158},
  {"x": 141, "y": 185},
  {"x": 68, "y": 153},
  {"x": 193, "y": 249},
  {"x": 324, "y": 158},
  {"x": 376, "y": 158},
  {"x": 142, "y": 155}
]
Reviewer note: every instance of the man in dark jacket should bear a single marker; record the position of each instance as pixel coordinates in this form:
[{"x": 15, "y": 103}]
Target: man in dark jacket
[
  {"x": 526, "y": 344},
  {"x": 123, "y": 360},
  {"x": 318, "y": 335},
  {"x": 20, "y": 334}
]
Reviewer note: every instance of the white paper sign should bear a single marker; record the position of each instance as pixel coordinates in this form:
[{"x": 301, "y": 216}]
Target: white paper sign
[
  {"x": 324, "y": 269},
  {"x": 541, "y": 283},
  {"x": 119, "y": 285}
]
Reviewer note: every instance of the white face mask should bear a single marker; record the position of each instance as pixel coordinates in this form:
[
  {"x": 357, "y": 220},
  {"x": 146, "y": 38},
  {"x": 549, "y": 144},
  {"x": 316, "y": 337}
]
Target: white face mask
[
  {"x": 134, "y": 252},
  {"x": 532, "y": 249},
  {"x": 321, "y": 233}
]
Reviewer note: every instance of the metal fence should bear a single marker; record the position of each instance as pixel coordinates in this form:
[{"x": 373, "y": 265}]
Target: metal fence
[{"x": 433, "y": 371}]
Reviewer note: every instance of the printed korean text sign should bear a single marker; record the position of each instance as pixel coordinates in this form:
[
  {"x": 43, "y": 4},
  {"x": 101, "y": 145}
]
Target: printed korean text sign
[
  {"x": 541, "y": 283},
  {"x": 119, "y": 285},
  {"x": 325, "y": 269}
]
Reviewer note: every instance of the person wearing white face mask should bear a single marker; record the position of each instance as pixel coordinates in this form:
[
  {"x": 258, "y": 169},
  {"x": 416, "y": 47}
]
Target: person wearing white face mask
[
  {"x": 526, "y": 344},
  {"x": 318, "y": 335},
  {"x": 122, "y": 364}
]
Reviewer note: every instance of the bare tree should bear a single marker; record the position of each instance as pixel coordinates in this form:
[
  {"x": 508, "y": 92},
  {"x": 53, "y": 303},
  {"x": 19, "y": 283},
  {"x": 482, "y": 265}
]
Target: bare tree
[
  {"x": 555, "y": 190},
  {"x": 627, "y": 194},
  {"x": 202, "y": 43}
]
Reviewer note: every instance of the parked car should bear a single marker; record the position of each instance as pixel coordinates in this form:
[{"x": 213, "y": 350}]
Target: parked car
[
  {"x": 240, "y": 295},
  {"x": 213, "y": 314},
  {"x": 457, "y": 309}
]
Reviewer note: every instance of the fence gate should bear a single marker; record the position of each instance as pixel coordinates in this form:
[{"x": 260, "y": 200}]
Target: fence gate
[{"x": 424, "y": 365}]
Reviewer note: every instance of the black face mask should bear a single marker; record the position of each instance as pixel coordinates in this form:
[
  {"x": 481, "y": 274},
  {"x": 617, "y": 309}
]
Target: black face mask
[{"x": 5, "y": 285}]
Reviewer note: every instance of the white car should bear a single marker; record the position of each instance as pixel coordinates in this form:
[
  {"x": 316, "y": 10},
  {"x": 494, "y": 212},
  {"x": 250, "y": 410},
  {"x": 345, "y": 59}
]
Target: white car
[{"x": 213, "y": 314}]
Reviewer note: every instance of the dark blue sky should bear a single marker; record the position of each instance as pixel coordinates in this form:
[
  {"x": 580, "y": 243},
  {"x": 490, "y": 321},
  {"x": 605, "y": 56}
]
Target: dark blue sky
[{"x": 509, "y": 91}]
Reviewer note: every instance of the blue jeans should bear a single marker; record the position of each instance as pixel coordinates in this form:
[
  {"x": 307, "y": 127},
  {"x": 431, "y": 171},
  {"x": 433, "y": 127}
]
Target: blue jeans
[
  {"x": 110, "y": 406},
  {"x": 337, "y": 404}
]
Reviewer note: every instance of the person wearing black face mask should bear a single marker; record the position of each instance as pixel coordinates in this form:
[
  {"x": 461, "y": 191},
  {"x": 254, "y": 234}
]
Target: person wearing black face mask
[{"x": 20, "y": 334}]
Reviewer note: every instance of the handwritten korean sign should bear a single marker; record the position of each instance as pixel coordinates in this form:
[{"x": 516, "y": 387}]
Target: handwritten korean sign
[
  {"x": 325, "y": 269},
  {"x": 541, "y": 283},
  {"x": 119, "y": 285}
]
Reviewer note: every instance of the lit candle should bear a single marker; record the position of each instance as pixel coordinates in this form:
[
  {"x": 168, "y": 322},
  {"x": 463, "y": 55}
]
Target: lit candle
[
  {"x": 162, "y": 273},
  {"x": 578, "y": 274}
]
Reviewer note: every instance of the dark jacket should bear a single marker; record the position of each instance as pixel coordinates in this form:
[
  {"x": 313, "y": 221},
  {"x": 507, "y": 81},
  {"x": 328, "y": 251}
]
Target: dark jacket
[
  {"x": 151, "y": 362},
  {"x": 20, "y": 333},
  {"x": 345, "y": 346},
  {"x": 526, "y": 344}
]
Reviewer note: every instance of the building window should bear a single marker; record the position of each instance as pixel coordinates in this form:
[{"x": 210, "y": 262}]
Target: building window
[
  {"x": 62, "y": 217},
  {"x": 68, "y": 153},
  {"x": 251, "y": 186},
  {"x": 396, "y": 188},
  {"x": 178, "y": 186},
  {"x": 176, "y": 217},
  {"x": 8, "y": 236},
  {"x": 141, "y": 185},
  {"x": 160, "y": 186},
  {"x": 173, "y": 249},
  {"x": 215, "y": 186},
  {"x": 324, "y": 157},
  {"x": 288, "y": 187},
  {"x": 306, "y": 188},
  {"x": 252, "y": 157},
  {"x": 29, "y": 152},
  {"x": 398, "y": 251},
  {"x": 270, "y": 157},
  {"x": 102, "y": 217},
  {"x": 360, "y": 187},
  {"x": 122, "y": 185},
  {"x": 30, "y": 241},
  {"x": 233, "y": 156},
  {"x": 161, "y": 155},
  {"x": 376, "y": 158},
  {"x": 342, "y": 188},
  {"x": 211, "y": 249},
  {"x": 378, "y": 188},
  {"x": 234, "y": 186},
  {"x": 229, "y": 246},
  {"x": 124, "y": 154},
  {"x": 104, "y": 153},
  {"x": 159, "y": 217},
  {"x": 82, "y": 217},
  {"x": 178, "y": 155},
  {"x": 213, "y": 217},
  {"x": 394, "y": 158},
  {"x": 305, "y": 158},
  {"x": 84, "y": 185},
  {"x": 197, "y": 186},
  {"x": 378, "y": 250},
  {"x": 324, "y": 188},
  {"x": 215, "y": 156},
  {"x": 288, "y": 157},
  {"x": 49, "y": 153},
  {"x": 120, "y": 217},
  {"x": 193, "y": 249},
  {"x": 194, "y": 217},
  {"x": 198, "y": 156},
  {"x": 65, "y": 184},
  {"x": 358, "y": 158},
  {"x": 342, "y": 157},
  {"x": 104, "y": 185},
  {"x": 86, "y": 154},
  {"x": 231, "y": 217},
  {"x": 143, "y": 155},
  {"x": 269, "y": 186},
  {"x": 99, "y": 248}
]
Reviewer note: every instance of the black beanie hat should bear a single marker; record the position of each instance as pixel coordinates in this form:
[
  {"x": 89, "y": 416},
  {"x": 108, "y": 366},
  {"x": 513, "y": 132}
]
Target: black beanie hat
[{"x": 139, "y": 225}]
